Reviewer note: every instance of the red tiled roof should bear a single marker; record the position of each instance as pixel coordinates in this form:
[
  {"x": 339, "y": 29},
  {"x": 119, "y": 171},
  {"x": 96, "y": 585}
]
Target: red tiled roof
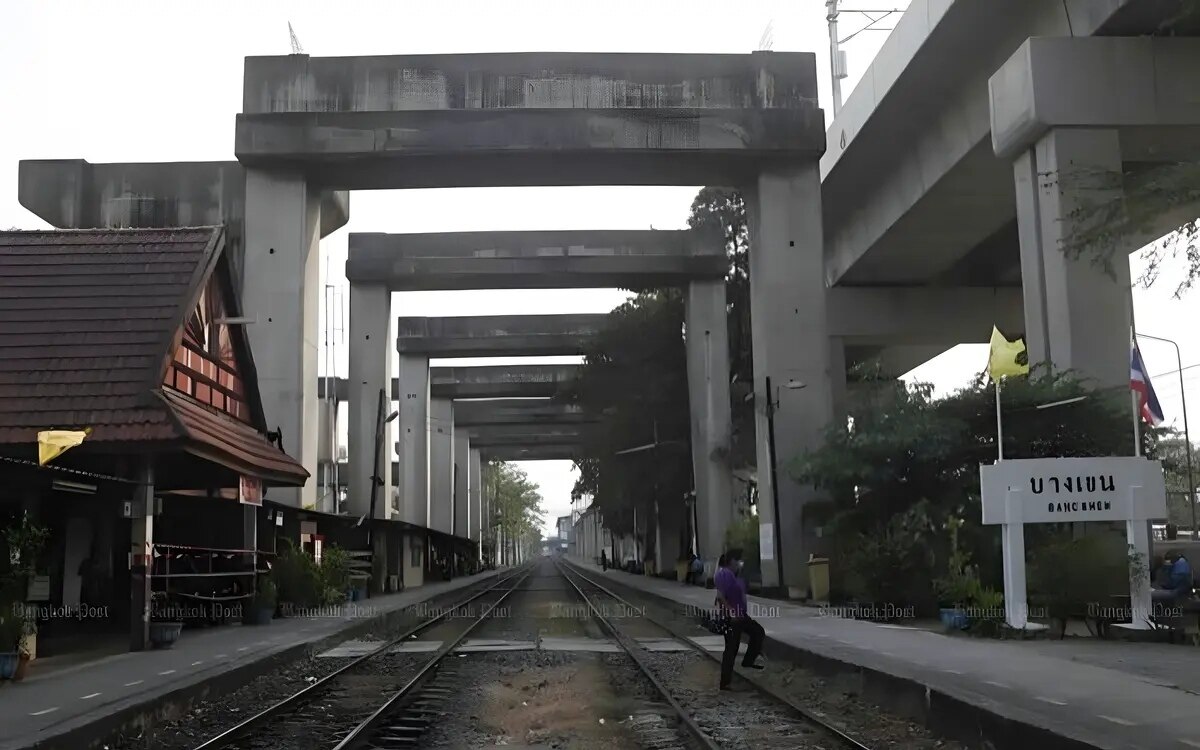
[{"x": 87, "y": 322}]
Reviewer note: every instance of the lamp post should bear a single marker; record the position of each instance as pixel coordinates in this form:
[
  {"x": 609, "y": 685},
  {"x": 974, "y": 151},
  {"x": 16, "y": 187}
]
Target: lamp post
[
  {"x": 1187, "y": 440},
  {"x": 772, "y": 405}
]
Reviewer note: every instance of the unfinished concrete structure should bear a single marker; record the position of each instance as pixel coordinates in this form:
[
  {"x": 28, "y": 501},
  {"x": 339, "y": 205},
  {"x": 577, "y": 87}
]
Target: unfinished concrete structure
[{"x": 562, "y": 259}]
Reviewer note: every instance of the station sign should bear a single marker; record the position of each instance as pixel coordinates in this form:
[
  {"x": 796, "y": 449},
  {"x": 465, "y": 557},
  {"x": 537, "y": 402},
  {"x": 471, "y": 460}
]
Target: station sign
[{"x": 1064, "y": 490}]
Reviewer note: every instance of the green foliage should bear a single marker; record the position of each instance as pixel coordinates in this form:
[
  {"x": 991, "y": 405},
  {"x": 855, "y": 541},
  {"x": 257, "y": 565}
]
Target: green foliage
[
  {"x": 1071, "y": 576},
  {"x": 516, "y": 506},
  {"x": 267, "y": 595},
  {"x": 297, "y": 577},
  {"x": 335, "y": 570},
  {"x": 743, "y": 534},
  {"x": 23, "y": 542},
  {"x": 909, "y": 465}
]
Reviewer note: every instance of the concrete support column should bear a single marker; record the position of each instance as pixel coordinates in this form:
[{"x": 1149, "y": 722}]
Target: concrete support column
[
  {"x": 475, "y": 501},
  {"x": 707, "y": 341},
  {"x": 1076, "y": 316},
  {"x": 462, "y": 484},
  {"x": 369, "y": 443},
  {"x": 441, "y": 465},
  {"x": 413, "y": 374},
  {"x": 280, "y": 292},
  {"x": 791, "y": 351}
]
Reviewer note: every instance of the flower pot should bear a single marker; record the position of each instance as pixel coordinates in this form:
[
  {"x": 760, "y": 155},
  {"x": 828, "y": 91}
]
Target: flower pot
[
  {"x": 22, "y": 666},
  {"x": 164, "y": 634},
  {"x": 9, "y": 661},
  {"x": 954, "y": 619}
]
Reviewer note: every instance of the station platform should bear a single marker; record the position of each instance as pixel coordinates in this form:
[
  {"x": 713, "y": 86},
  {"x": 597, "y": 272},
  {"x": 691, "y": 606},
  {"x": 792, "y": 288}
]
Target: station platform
[
  {"x": 54, "y": 701},
  {"x": 1068, "y": 693}
]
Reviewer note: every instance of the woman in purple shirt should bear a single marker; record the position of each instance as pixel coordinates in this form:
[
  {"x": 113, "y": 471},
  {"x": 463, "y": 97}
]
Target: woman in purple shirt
[{"x": 731, "y": 599}]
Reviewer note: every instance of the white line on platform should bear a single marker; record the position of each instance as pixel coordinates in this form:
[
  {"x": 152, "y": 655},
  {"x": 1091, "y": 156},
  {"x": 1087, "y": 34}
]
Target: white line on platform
[
  {"x": 997, "y": 684},
  {"x": 169, "y": 671},
  {"x": 1115, "y": 720},
  {"x": 135, "y": 682},
  {"x": 951, "y": 671},
  {"x": 1051, "y": 700},
  {"x": 1190, "y": 743},
  {"x": 88, "y": 697},
  {"x": 44, "y": 711},
  {"x": 221, "y": 656},
  {"x": 197, "y": 663},
  {"x": 244, "y": 648}
]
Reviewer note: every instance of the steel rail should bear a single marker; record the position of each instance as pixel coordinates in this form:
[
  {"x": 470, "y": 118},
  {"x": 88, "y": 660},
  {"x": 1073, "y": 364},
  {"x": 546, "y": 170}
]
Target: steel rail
[
  {"x": 369, "y": 723},
  {"x": 631, "y": 649},
  {"x": 226, "y": 738},
  {"x": 809, "y": 716}
]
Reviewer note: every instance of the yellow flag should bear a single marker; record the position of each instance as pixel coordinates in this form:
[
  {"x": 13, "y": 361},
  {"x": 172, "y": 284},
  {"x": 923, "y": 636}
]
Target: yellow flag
[
  {"x": 1007, "y": 357},
  {"x": 53, "y": 443}
]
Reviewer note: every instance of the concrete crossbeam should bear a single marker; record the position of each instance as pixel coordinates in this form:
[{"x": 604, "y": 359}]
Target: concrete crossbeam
[
  {"x": 487, "y": 436},
  {"x": 1144, "y": 87},
  {"x": 468, "y": 414},
  {"x": 492, "y": 381},
  {"x": 76, "y": 194},
  {"x": 535, "y": 260},
  {"x": 499, "y": 336},
  {"x": 512, "y": 119},
  {"x": 922, "y": 315}
]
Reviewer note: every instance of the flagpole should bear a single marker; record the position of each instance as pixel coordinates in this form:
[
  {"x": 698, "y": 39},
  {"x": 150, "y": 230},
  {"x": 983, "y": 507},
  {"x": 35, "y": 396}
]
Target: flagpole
[
  {"x": 999, "y": 425},
  {"x": 1133, "y": 397}
]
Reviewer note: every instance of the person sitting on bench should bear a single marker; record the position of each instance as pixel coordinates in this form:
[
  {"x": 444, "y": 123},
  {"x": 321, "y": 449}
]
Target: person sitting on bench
[{"x": 1179, "y": 581}]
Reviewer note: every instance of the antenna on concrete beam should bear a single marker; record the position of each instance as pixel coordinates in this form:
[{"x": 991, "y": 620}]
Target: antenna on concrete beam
[
  {"x": 296, "y": 48},
  {"x": 767, "y": 40}
]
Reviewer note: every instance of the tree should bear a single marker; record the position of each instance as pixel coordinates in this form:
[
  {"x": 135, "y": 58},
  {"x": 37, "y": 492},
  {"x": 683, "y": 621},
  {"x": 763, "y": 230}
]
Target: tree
[
  {"x": 1172, "y": 451},
  {"x": 723, "y": 211},
  {"x": 635, "y": 382},
  {"x": 907, "y": 470},
  {"x": 516, "y": 509}
]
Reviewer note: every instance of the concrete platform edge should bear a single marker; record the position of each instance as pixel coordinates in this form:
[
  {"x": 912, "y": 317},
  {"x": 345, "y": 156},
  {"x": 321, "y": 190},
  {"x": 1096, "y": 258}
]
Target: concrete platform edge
[
  {"x": 142, "y": 713},
  {"x": 952, "y": 717}
]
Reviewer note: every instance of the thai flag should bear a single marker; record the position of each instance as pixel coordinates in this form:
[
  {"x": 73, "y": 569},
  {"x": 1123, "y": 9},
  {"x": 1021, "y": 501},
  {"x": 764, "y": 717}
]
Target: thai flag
[{"x": 1139, "y": 382}]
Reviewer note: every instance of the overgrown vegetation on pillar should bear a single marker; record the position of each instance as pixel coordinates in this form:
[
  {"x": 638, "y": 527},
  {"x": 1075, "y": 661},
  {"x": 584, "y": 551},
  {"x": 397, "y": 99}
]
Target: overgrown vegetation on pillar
[{"x": 905, "y": 475}]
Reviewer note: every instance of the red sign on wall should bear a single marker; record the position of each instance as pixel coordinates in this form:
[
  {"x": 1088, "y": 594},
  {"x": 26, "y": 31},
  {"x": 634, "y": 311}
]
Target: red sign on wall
[{"x": 250, "y": 491}]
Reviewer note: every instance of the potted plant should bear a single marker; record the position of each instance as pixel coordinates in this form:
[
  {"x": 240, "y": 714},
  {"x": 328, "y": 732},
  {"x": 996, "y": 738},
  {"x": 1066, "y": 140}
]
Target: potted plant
[
  {"x": 24, "y": 542},
  {"x": 262, "y": 606},
  {"x": 164, "y": 630}
]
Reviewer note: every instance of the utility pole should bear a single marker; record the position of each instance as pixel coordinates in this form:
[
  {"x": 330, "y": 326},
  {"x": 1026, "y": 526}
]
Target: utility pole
[{"x": 837, "y": 58}]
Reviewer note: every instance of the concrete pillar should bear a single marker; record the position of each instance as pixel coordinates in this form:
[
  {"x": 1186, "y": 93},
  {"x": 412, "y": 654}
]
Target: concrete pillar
[
  {"x": 280, "y": 292},
  {"x": 441, "y": 465},
  {"x": 369, "y": 444},
  {"x": 462, "y": 484},
  {"x": 669, "y": 528},
  {"x": 707, "y": 342},
  {"x": 327, "y": 440},
  {"x": 475, "y": 501},
  {"x": 791, "y": 353},
  {"x": 1076, "y": 316},
  {"x": 413, "y": 374}
]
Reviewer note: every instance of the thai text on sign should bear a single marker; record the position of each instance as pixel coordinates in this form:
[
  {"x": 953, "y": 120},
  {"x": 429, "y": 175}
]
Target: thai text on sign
[{"x": 1049, "y": 490}]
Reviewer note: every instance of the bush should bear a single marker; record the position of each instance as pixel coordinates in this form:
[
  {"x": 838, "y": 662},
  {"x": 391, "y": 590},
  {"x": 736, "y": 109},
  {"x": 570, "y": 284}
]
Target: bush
[
  {"x": 267, "y": 595},
  {"x": 296, "y": 577},
  {"x": 1072, "y": 576},
  {"x": 335, "y": 570}
]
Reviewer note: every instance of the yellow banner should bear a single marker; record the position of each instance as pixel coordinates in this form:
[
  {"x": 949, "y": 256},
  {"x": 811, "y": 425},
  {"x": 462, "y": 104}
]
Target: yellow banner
[
  {"x": 54, "y": 443},
  {"x": 1007, "y": 357}
]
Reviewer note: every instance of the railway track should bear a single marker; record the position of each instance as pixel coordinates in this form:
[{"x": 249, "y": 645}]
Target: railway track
[
  {"x": 701, "y": 710},
  {"x": 330, "y": 712}
]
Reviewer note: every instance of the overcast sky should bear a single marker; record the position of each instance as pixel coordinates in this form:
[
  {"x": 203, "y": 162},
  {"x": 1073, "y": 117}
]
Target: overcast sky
[{"x": 161, "y": 81}]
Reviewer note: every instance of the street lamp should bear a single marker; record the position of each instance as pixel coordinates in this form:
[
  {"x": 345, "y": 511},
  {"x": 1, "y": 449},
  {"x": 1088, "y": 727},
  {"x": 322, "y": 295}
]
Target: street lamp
[
  {"x": 1187, "y": 440},
  {"x": 772, "y": 405}
]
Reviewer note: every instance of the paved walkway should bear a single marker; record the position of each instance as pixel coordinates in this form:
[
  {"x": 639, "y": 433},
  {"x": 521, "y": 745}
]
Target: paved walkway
[
  {"x": 1109, "y": 694},
  {"x": 58, "y": 700}
]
